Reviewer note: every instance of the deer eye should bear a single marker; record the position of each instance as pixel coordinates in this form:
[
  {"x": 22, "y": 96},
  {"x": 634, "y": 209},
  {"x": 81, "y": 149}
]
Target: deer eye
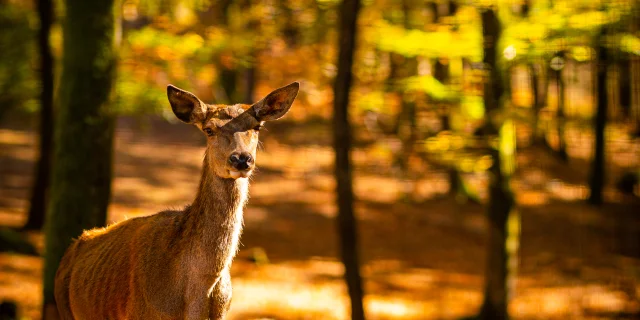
[{"x": 208, "y": 131}]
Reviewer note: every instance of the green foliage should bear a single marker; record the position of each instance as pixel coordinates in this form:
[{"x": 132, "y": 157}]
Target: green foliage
[
  {"x": 135, "y": 97},
  {"x": 465, "y": 41},
  {"x": 472, "y": 107},
  {"x": 630, "y": 43},
  {"x": 164, "y": 45},
  {"x": 186, "y": 41},
  {"x": 371, "y": 101},
  {"x": 432, "y": 87},
  {"x": 18, "y": 83}
]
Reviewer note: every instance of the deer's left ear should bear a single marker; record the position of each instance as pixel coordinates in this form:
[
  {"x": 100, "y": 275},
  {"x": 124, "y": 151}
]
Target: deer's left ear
[{"x": 277, "y": 103}]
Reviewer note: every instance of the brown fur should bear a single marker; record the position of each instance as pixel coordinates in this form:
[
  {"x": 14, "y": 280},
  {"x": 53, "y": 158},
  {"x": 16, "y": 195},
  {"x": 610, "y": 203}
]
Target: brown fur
[{"x": 174, "y": 264}]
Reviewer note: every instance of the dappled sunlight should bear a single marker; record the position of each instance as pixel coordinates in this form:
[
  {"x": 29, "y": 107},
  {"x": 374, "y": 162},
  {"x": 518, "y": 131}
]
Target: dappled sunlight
[
  {"x": 20, "y": 281},
  {"x": 314, "y": 289},
  {"x": 567, "y": 191},
  {"x": 420, "y": 259},
  {"x": 578, "y": 301}
]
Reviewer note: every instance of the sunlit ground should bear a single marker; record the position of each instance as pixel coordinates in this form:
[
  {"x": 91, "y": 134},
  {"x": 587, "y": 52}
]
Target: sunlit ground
[{"x": 423, "y": 254}]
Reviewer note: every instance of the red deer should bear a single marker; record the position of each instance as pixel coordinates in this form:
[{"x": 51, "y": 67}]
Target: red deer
[{"x": 175, "y": 264}]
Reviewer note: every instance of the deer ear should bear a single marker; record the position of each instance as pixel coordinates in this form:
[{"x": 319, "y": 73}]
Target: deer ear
[
  {"x": 277, "y": 103},
  {"x": 185, "y": 105}
]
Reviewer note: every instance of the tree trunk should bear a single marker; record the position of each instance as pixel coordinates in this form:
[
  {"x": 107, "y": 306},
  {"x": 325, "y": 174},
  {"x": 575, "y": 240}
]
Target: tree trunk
[
  {"x": 560, "y": 118},
  {"x": 493, "y": 86},
  {"x": 81, "y": 180},
  {"x": 347, "y": 226},
  {"x": 625, "y": 84},
  {"x": 635, "y": 93},
  {"x": 596, "y": 180},
  {"x": 504, "y": 221},
  {"x": 38, "y": 203},
  {"x": 407, "y": 125},
  {"x": 249, "y": 70},
  {"x": 249, "y": 82},
  {"x": 227, "y": 65},
  {"x": 635, "y": 74},
  {"x": 290, "y": 30},
  {"x": 441, "y": 73},
  {"x": 228, "y": 81},
  {"x": 536, "y": 136}
]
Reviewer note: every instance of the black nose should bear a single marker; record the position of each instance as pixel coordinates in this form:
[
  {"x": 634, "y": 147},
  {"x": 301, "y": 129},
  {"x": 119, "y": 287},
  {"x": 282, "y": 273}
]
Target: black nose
[{"x": 241, "y": 161}]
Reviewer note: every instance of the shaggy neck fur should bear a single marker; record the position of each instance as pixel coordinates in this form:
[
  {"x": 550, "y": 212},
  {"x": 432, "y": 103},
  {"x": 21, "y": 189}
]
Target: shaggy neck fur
[{"x": 214, "y": 220}]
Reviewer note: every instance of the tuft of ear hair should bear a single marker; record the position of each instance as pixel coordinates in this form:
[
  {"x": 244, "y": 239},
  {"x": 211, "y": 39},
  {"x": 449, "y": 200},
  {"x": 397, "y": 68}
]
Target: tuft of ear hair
[
  {"x": 185, "y": 105},
  {"x": 277, "y": 103}
]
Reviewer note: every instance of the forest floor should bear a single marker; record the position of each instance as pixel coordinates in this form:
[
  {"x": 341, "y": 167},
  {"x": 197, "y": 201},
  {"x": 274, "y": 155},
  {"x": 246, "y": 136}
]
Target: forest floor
[{"x": 423, "y": 256}]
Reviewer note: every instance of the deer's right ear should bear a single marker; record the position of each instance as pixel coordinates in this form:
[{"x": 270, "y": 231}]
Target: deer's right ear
[{"x": 185, "y": 105}]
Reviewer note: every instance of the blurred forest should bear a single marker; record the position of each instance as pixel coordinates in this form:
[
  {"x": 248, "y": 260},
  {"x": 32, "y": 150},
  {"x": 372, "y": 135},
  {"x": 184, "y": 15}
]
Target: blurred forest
[{"x": 481, "y": 159}]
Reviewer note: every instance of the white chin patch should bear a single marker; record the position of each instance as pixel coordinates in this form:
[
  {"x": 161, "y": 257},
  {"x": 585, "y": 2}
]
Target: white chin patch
[{"x": 238, "y": 174}]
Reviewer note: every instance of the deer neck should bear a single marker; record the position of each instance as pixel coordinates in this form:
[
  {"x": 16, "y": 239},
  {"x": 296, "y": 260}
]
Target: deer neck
[{"x": 215, "y": 219}]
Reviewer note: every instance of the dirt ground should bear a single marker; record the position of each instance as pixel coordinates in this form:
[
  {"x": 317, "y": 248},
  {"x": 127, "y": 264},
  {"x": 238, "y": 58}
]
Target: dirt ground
[{"x": 422, "y": 258}]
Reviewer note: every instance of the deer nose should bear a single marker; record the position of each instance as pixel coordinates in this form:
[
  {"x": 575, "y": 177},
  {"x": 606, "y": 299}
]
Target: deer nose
[{"x": 241, "y": 160}]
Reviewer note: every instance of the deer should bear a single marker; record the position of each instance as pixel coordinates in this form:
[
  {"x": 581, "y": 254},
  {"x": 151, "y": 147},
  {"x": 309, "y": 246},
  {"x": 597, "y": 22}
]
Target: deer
[{"x": 175, "y": 264}]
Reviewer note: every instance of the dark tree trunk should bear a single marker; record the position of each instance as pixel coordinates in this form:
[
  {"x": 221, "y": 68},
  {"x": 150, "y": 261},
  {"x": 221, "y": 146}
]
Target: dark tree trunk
[
  {"x": 492, "y": 92},
  {"x": 560, "y": 118},
  {"x": 635, "y": 93},
  {"x": 249, "y": 71},
  {"x": 347, "y": 226},
  {"x": 596, "y": 180},
  {"x": 81, "y": 179},
  {"x": 503, "y": 218},
  {"x": 635, "y": 73},
  {"x": 227, "y": 65},
  {"x": 249, "y": 83},
  {"x": 536, "y": 136},
  {"x": 290, "y": 30},
  {"x": 525, "y": 7},
  {"x": 38, "y": 203},
  {"x": 228, "y": 82},
  {"x": 407, "y": 119},
  {"x": 441, "y": 73},
  {"x": 625, "y": 84}
]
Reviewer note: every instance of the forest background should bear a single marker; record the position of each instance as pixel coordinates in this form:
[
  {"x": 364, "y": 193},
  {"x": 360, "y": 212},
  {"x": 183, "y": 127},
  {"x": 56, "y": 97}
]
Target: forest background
[{"x": 493, "y": 144}]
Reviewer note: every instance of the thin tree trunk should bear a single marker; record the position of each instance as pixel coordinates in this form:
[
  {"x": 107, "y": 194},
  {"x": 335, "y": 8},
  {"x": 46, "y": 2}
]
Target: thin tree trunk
[
  {"x": 492, "y": 91},
  {"x": 635, "y": 74},
  {"x": 536, "y": 136},
  {"x": 290, "y": 29},
  {"x": 635, "y": 94},
  {"x": 249, "y": 83},
  {"x": 228, "y": 81},
  {"x": 81, "y": 180},
  {"x": 249, "y": 71},
  {"x": 596, "y": 181},
  {"x": 625, "y": 84},
  {"x": 347, "y": 226},
  {"x": 560, "y": 117},
  {"x": 407, "y": 125},
  {"x": 441, "y": 73},
  {"x": 504, "y": 221},
  {"x": 38, "y": 203},
  {"x": 227, "y": 65}
]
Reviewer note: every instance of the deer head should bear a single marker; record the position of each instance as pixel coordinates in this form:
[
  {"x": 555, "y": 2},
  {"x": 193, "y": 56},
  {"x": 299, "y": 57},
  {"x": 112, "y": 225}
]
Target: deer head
[{"x": 232, "y": 131}]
